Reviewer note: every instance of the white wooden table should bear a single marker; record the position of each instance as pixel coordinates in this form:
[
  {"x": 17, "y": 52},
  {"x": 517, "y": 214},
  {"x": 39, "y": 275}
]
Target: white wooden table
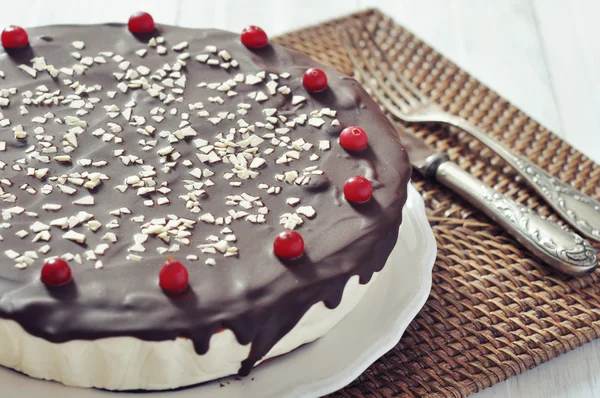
[{"x": 542, "y": 55}]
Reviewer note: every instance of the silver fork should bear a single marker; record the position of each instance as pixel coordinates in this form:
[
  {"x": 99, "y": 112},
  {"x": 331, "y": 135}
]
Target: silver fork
[{"x": 578, "y": 209}]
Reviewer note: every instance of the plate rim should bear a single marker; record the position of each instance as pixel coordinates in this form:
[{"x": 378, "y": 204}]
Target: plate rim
[{"x": 386, "y": 343}]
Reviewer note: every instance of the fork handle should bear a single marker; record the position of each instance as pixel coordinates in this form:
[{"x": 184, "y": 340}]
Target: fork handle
[
  {"x": 578, "y": 209},
  {"x": 563, "y": 250}
]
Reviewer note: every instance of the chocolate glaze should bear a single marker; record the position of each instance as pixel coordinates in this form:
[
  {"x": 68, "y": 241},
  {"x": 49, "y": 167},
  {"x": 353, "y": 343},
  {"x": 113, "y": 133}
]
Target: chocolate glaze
[{"x": 257, "y": 296}]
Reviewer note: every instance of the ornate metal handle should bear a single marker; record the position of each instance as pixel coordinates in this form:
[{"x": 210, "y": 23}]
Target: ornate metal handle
[
  {"x": 558, "y": 247},
  {"x": 578, "y": 209}
]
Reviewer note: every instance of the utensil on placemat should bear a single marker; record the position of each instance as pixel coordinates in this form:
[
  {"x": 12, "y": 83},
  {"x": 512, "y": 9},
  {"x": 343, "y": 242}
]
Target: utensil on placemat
[
  {"x": 578, "y": 209},
  {"x": 560, "y": 248}
]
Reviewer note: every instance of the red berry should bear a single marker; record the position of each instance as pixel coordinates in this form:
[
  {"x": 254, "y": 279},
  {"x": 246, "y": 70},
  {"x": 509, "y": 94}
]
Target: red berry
[
  {"x": 254, "y": 37},
  {"x": 353, "y": 138},
  {"x": 173, "y": 277},
  {"x": 14, "y": 37},
  {"x": 141, "y": 22},
  {"x": 288, "y": 245},
  {"x": 314, "y": 80},
  {"x": 358, "y": 189},
  {"x": 56, "y": 272}
]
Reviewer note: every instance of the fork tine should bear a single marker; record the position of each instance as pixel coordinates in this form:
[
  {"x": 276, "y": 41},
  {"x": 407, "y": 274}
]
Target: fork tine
[
  {"x": 414, "y": 90},
  {"x": 399, "y": 107},
  {"x": 366, "y": 55},
  {"x": 368, "y": 72},
  {"x": 388, "y": 77}
]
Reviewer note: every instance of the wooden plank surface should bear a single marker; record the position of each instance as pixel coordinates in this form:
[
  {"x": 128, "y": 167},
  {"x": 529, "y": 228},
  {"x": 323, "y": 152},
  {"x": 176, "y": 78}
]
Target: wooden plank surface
[
  {"x": 542, "y": 55},
  {"x": 568, "y": 37}
]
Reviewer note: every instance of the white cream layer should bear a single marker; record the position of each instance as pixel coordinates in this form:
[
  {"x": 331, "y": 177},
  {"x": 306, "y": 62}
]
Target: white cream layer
[{"x": 127, "y": 363}]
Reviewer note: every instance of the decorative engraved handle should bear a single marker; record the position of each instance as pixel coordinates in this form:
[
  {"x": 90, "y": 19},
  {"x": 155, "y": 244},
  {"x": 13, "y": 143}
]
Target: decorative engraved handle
[
  {"x": 578, "y": 209},
  {"x": 558, "y": 247}
]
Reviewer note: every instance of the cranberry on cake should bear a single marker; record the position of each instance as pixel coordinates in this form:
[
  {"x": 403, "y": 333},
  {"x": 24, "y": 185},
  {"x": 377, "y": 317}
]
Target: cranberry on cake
[{"x": 179, "y": 205}]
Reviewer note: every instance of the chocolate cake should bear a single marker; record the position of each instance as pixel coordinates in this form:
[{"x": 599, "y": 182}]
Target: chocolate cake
[{"x": 147, "y": 179}]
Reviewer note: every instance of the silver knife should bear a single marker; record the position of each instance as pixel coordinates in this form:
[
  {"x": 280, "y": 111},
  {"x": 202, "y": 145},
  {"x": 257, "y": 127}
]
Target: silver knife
[{"x": 560, "y": 248}]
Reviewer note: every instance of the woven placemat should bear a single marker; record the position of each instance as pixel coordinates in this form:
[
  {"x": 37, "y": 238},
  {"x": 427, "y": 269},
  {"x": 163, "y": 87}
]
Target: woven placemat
[{"x": 494, "y": 311}]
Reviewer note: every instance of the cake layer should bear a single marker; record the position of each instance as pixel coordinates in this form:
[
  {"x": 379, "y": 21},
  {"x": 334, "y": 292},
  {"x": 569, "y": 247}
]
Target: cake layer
[
  {"x": 124, "y": 151},
  {"x": 128, "y": 363}
]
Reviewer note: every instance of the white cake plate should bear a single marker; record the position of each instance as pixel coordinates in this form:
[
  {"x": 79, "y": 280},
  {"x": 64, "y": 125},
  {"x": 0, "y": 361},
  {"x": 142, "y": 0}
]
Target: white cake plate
[{"x": 326, "y": 365}]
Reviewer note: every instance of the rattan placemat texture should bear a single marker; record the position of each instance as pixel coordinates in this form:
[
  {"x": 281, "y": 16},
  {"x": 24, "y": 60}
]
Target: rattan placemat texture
[{"x": 494, "y": 310}]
